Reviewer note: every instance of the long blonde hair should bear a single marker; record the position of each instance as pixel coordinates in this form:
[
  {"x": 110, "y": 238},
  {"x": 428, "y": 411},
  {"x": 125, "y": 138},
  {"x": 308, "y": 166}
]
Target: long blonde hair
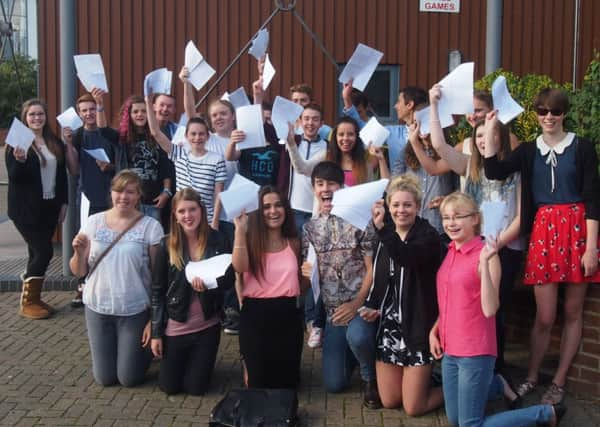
[{"x": 177, "y": 240}]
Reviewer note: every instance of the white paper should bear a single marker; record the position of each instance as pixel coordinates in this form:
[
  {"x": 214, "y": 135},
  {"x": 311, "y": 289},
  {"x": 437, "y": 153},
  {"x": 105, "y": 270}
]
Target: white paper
[
  {"x": 249, "y": 120},
  {"x": 361, "y": 66},
  {"x": 180, "y": 139},
  {"x": 311, "y": 257},
  {"x": 209, "y": 270},
  {"x": 158, "y": 81},
  {"x": 507, "y": 107},
  {"x": 19, "y": 135},
  {"x": 457, "y": 91},
  {"x": 242, "y": 194},
  {"x": 183, "y": 119},
  {"x": 98, "y": 154},
  {"x": 84, "y": 211},
  {"x": 283, "y": 113},
  {"x": 494, "y": 218},
  {"x": 268, "y": 73},
  {"x": 225, "y": 97},
  {"x": 90, "y": 71},
  {"x": 70, "y": 119},
  {"x": 238, "y": 98},
  {"x": 423, "y": 117},
  {"x": 259, "y": 44},
  {"x": 200, "y": 71},
  {"x": 353, "y": 204},
  {"x": 373, "y": 132}
]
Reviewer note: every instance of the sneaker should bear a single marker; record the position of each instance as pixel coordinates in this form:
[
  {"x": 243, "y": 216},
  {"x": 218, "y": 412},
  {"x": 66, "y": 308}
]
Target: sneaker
[
  {"x": 231, "y": 324},
  {"x": 315, "y": 337},
  {"x": 554, "y": 395}
]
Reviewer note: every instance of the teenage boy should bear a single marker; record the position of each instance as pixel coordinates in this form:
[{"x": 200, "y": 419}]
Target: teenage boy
[
  {"x": 344, "y": 258},
  {"x": 303, "y": 94}
]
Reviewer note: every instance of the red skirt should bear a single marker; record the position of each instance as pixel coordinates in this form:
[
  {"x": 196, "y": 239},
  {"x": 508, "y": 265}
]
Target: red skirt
[{"x": 556, "y": 246}]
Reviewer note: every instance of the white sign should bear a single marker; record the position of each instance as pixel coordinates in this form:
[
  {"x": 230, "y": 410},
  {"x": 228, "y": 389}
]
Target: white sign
[{"x": 447, "y": 6}]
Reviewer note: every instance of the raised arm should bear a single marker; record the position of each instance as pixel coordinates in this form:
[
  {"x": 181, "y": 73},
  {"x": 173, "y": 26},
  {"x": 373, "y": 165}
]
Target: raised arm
[
  {"x": 240, "y": 259},
  {"x": 489, "y": 272},
  {"x": 98, "y": 95},
  {"x": 493, "y": 167},
  {"x": 158, "y": 134},
  {"x": 189, "y": 105},
  {"x": 300, "y": 165},
  {"x": 232, "y": 154},
  {"x": 432, "y": 166}
]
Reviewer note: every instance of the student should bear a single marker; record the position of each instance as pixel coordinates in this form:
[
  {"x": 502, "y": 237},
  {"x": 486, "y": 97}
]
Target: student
[
  {"x": 345, "y": 262},
  {"x": 115, "y": 249},
  {"x": 186, "y": 326},
  {"x": 302, "y": 94},
  {"x": 560, "y": 207},
  {"x": 37, "y": 201},
  {"x": 139, "y": 152},
  {"x": 266, "y": 252},
  {"x": 468, "y": 284},
  {"x": 202, "y": 170},
  {"x": 407, "y": 258}
]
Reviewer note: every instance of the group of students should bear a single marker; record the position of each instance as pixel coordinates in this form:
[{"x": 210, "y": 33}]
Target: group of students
[{"x": 377, "y": 306}]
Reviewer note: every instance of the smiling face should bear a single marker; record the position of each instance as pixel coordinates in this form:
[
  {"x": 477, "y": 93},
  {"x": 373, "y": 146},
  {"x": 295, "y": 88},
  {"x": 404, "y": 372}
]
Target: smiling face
[
  {"x": 273, "y": 210},
  {"x": 346, "y": 137},
  {"x": 552, "y": 121},
  {"x": 197, "y": 135},
  {"x": 404, "y": 109},
  {"x": 164, "y": 108},
  {"x": 222, "y": 118},
  {"x": 87, "y": 113},
  {"x": 311, "y": 123},
  {"x": 459, "y": 222},
  {"x": 403, "y": 209},
  {"x": 35, "y": 117},
  {"x": 138, "y": 115},
  {"x": 188, "y": 215},
  {"x": 323, "y": 190},
  {"x": 127, "y": 199}
]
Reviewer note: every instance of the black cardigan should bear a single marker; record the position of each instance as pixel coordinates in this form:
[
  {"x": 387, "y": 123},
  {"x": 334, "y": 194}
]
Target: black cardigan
[
  {"x": 25, "y": 187},
  {"x": 521, "y": 160},
  {"x": 171, "y": 292},
  {"x": 420, "y": 257}
]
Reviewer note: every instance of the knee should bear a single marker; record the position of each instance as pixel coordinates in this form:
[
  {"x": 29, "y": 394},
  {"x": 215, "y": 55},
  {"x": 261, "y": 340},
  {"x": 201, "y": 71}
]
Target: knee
[
  {"x": 105, "y": 379},
  {"x": 360, "y": 338},
  {"x": 389, "y": 401},
  {"x": 334, "y": 385},
  {"x": 413, "y": 409},
  {"x": 130, "y": 379},
  {"x": 544, "y": 321}
]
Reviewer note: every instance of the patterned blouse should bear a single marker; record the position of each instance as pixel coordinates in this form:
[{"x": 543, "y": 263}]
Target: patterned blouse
[{"x": 340, "y": 249}]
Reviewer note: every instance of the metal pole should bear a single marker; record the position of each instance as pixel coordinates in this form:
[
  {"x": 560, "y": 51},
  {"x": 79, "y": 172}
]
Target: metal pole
[
  {"x": 67, "y": 98},
  {"x": 493, "y": 36},
  {"x": 576, "y": 43}
]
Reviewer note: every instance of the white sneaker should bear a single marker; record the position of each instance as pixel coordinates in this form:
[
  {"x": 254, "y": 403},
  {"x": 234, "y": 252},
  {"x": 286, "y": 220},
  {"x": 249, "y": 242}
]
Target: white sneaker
[{"x": 314, "y": 339}]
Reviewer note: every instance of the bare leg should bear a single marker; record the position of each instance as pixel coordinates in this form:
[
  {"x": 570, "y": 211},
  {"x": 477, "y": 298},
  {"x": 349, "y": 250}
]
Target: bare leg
[
  {"x": 419, "y": 397},
  {"x": 389, "y": 379},
  {"x": 571, "y": 333},
  {"x": 545, "y": 315}
]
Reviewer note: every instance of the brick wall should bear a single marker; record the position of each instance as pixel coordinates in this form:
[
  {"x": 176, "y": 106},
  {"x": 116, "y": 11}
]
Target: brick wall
[{"x": 584, "y": 375}]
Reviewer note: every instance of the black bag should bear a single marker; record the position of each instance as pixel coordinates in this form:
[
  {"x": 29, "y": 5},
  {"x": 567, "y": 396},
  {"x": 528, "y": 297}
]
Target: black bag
[{"x": 256, "y": 408}]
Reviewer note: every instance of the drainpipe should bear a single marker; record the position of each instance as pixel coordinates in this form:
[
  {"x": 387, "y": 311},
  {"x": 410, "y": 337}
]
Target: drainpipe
[
  {"x": 493, "y": 36},
  {"x": 576, "y": 42}
]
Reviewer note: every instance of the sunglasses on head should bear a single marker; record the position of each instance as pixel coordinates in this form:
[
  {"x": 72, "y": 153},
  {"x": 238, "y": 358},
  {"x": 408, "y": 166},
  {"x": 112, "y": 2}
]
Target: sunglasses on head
[{"x": 541, "y": 111}]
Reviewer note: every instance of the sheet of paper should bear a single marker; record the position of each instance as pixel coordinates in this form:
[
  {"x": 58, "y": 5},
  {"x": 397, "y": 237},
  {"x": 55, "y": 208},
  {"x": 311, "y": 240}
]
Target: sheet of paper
[
  {"x": 284, "y": 112},
  {"x": 225, "y": 97},
  {"x": 200, "y": 71},
  {"x": 507, "y": 107},
  {"x": 242, "y": 194},
  {"x": 422, "y": 116},
  {"x": 69, "y": 119},
  {"x": 249, "y": 120},
  {"x": 238, "y": 98},
  {"x": 180, "y": 139},
  {"x": 98, "y": 154},
  {"x": 209, "y": 270},
  {"x": 311, "y": 257},
  {"x": 354, "y": 203},
  {"x": 494, "y": 218},
  {"x": 268, "y": 73},
  {"x": 84, "y": 210},
  {"x": 183, "y": 119},
  {"x": 259, "y": 44},
  {"x": 457, "y": 91},
  {"x": 158, "y": 81},
  {"x": 19, "y": 135},
  {"x": 373, "y": 132},
  {"x": 90, "y": 71},
  {"x": 361, "y": 66}
]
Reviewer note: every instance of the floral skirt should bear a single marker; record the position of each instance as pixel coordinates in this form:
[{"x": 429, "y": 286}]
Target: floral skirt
[{"x": 556, "y": 246}]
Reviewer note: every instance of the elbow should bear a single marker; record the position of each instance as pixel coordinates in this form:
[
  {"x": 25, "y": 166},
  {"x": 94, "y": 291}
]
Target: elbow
[{"x": 490, "y": 310}]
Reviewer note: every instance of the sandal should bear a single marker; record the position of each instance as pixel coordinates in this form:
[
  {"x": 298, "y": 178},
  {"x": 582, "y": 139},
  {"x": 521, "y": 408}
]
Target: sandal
[
  {"x": 553, "y": 395},
  {"x": 526, "y": 387}
]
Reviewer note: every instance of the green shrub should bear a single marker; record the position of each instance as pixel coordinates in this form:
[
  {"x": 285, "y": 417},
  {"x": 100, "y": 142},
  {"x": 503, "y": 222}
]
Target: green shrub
[
  {"x": 10, "y": 96},
  {"x": 585, "y": 103}
]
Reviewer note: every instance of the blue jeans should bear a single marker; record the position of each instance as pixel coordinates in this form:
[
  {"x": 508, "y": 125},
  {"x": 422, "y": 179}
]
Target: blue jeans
[
  {"x": 151, "y": 211},
  {"x": 314, "y": 312},
  {"x": 469, "y": 382},
  {"x": 344, "y": 347},
  {"x": 301, "y": 218}
]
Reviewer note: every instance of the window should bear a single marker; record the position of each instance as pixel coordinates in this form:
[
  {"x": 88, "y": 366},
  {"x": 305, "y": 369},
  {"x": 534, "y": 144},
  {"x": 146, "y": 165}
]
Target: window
[
  {"x": 22, "y": 16},
  {"x": 382, "y": 92}
]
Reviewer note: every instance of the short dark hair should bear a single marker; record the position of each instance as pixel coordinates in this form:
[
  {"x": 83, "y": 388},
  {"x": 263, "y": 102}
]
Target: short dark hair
[
  {"x": 552, "y": 98},
  {"x": 302, "y": 88},
  {"x": 415, "y": 94},
  {"x": 485, "y": 97},
  {"x": 328, "y": 170},
  {"x": 359, "y": 98},
  {"x": 267, "y": 106},
  {"x": 315, "y": 107}
]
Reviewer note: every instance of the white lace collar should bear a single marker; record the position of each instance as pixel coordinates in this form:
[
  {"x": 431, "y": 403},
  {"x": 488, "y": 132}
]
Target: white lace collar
[{"x": 558, "y": 148}]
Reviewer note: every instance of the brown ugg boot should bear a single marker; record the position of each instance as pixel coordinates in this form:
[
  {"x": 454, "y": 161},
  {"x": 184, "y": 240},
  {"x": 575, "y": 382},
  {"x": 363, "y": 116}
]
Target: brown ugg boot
[{"x": 31, "y": 306}]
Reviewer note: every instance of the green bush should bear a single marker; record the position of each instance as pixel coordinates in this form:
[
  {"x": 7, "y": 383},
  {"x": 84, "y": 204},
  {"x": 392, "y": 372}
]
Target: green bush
[
  {"x": 10, "y": 98},
  {"x": 585, "y": 108}
]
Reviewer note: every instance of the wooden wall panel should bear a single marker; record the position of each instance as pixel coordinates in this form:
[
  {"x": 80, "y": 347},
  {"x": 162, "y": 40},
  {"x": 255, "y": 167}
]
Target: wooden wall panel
[{"x": 137, "y": 36}]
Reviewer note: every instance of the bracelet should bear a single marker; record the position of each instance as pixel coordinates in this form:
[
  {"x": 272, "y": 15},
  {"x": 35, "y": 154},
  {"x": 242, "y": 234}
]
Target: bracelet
[
  {"x": 100, "y": 109},
  {"x": 239, "y": 247},
  {"x": 166, "y": 190}
]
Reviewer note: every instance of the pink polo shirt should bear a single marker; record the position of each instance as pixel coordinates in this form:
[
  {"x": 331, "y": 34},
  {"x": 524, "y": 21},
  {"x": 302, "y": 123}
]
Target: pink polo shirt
[{"x": 463, "y": 329}]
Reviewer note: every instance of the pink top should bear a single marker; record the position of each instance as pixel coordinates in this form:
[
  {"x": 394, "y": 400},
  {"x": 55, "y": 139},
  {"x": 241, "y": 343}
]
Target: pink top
[
  {"x": 195, "y": 320},
  {"x": 464, "y": 330},
  {"x": 348, "y": 178},
  {"x": 280, "y": 278}
]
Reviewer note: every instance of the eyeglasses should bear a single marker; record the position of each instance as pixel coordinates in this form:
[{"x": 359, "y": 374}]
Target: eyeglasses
[
  {"x": 455, "y": 217},
  {"x": 541, "y": 111}
]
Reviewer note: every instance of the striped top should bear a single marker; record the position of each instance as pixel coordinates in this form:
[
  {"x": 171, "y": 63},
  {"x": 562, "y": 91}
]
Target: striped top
[{"x": 200, "y": 173}]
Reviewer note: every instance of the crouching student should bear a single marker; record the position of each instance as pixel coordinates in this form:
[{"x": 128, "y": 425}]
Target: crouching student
[
  {"x": 344, "y": 257},
  {"x": 186, "y": 326}
]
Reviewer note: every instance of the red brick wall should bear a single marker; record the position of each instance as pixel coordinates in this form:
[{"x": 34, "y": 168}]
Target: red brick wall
[{"x": 584, "y": 375}]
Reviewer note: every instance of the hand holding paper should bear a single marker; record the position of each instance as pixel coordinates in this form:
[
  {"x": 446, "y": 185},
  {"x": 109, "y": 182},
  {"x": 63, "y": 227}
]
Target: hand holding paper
[
  {"x": 373, "y": 132},
  {"x": 209, "y": 270},
  {"x": 457, "y": 91},
  {"x": 90, "y": 71},
  {"x": 423, "y": 117},
  {"x": 242, "y": 195},
  {"x": 249, "y": 120},
  {"x": 353, "y": 204},
  {"x": 19, "y": 135},
  {"x": 504, "y": 103},
  {"x": 98, "y": 154},
  {"x": 284, "y": 112},
  {"x": 69, "y": 119},
  {"x": 494, "y": 218}
]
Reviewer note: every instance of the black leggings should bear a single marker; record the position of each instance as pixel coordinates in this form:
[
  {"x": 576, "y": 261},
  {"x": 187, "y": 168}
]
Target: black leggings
[
  {"x": 188, "y": 361},
  {"x": 271, "y": 338}
]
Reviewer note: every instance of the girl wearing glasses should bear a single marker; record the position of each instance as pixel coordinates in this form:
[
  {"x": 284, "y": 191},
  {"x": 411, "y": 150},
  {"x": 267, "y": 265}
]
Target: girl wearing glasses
[
  {"x": 468, "y": 283},
  {"x": 560, "y": 207}
]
